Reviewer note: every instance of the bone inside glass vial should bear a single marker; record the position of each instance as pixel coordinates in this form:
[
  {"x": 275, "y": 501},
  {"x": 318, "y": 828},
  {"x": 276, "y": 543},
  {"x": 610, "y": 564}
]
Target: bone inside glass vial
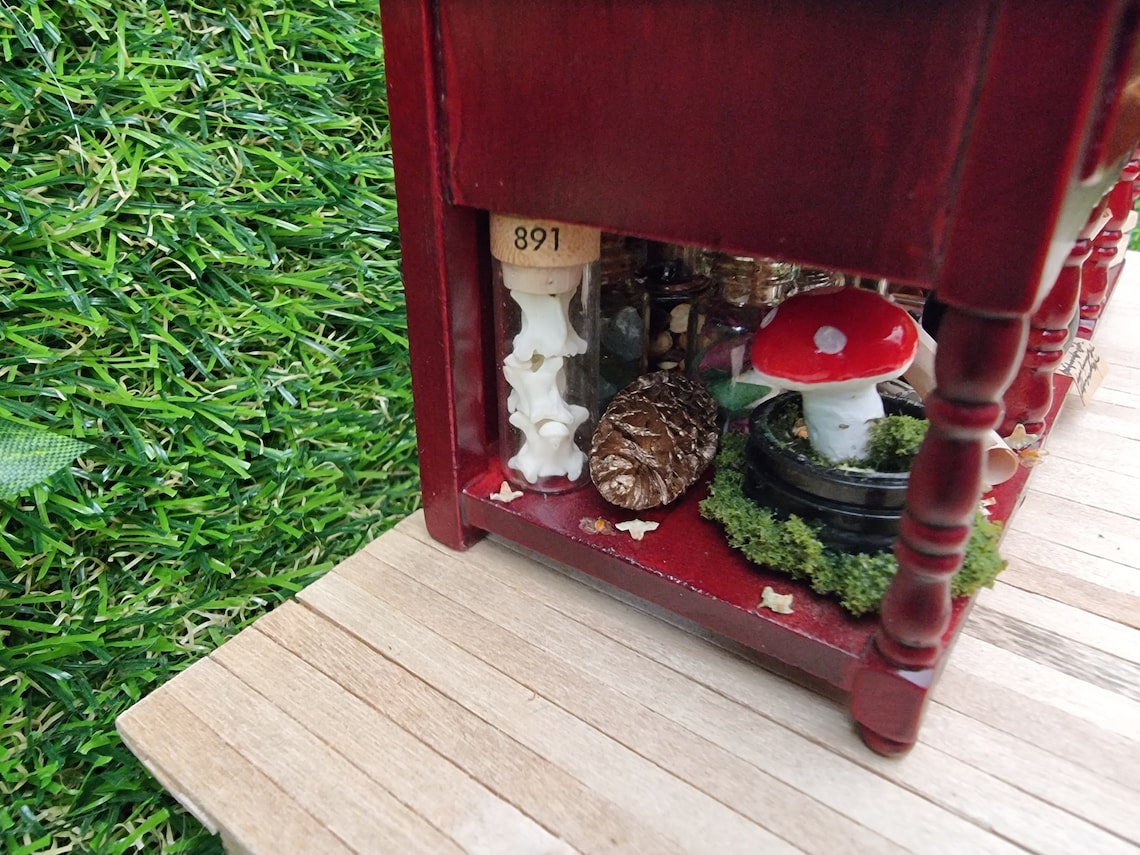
[{"x": 546, "y": 276}]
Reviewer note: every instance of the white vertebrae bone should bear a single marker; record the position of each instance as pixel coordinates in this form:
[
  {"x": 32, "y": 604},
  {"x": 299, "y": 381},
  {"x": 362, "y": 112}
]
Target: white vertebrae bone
[
  {"x": 536, "y": 372},
  {"x": 546, "y": 327}
]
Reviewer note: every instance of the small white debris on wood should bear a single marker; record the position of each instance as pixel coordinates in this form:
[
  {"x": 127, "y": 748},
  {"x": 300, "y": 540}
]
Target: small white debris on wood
[
  {"x": 506, "y": 495},
  {"x": 985, "y": 505},
  {"x": 637, "y": 528},
  {"x": 779, "y": 603},
  {"x": 1020, "y": 438}
]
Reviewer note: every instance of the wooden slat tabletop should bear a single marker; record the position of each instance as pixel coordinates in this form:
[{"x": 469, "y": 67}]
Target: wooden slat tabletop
[{"x": 420, "y": 700}]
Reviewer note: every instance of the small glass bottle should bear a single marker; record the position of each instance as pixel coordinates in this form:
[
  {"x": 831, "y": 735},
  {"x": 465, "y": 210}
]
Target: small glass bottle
[
  {"x": 745, "y": 289},
  {"x": 624, "y": 316},
  {"x": 811, "y": 278},
  {"x": 676, "y": 293},
  {"x": 546, "y": 281}
]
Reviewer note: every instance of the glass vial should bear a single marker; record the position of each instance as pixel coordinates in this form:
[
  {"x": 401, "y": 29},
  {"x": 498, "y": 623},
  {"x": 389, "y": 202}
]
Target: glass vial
[
  {"x": 676, "y": 293},
  {"x": 744, "y": 289},
  {"x": 546, "y": 283},
  {"x": 624, "y": 316},
  {"x": 811, "y": 278}
]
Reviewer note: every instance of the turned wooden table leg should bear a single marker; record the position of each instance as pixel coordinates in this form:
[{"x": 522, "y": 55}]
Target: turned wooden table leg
[
  {"x": 1106, "y": 245},
  {"x": 1030, "y": 395},
  {"x": 977, "y": 354}
]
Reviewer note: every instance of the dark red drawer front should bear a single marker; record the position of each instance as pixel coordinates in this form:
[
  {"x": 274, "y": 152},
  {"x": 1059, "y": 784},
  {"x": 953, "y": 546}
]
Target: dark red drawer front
[{"x": 661, "y": 119}]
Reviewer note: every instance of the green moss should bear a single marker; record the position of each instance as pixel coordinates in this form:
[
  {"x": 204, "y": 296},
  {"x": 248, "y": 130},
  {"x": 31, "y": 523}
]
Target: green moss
[
  {"x": 857, "y": 580},
  {"x": 894, "y": 441}
]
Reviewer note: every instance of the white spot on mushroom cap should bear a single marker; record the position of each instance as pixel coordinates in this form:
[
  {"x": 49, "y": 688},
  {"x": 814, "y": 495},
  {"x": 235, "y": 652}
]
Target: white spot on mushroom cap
[{"x": 830, "y": 340}]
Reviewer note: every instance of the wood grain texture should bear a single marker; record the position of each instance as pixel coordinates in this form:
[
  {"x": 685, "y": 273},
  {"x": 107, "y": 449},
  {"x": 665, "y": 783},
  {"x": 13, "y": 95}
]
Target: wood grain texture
[
  {"x": 960, "y": 788},
  {"x": 355, "y": 808},
  {"x": 574, "y": 666},
  {"x": 219, "y": 785},
  {"x": 541, "y": 789},
  {"x": 489, "y": 702},
  {"x": 1089, "y": 597},
  {"x": 1058, "y": 652},
  {"x": 675, "y": 808},
  {"x": 475, "y": 818}
]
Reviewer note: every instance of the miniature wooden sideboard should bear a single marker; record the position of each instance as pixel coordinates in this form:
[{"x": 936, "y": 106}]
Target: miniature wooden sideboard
[{"x": 958, "y": 146}]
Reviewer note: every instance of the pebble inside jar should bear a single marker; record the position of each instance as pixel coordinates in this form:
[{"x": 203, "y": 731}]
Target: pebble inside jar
[{"x": 546, "y": 276}]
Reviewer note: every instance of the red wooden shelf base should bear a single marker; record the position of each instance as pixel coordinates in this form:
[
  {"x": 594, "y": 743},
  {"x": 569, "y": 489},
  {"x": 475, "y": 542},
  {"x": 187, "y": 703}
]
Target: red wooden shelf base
[{"x": 957, "y": 147}]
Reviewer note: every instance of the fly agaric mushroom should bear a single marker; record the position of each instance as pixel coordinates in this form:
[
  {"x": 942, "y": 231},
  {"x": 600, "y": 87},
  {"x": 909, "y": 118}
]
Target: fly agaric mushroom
[{"x": 832, "y": 346}]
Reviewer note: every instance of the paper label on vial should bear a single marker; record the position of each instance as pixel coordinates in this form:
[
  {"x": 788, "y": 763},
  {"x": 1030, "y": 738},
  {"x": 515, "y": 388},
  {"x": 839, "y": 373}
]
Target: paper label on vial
[{"x": 528, "y": 242}]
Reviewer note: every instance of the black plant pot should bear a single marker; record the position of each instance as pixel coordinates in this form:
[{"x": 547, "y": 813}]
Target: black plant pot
[{"x": 859, "y": 511}]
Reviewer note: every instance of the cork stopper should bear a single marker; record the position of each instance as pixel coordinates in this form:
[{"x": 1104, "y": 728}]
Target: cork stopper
[{"x": 528, "y": 242}]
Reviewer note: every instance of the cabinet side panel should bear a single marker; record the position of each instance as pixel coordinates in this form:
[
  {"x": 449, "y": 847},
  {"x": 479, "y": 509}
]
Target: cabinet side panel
[{"x": 448, "y": 317}]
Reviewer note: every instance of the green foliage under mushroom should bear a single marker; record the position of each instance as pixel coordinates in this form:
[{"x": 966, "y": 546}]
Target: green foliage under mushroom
[{"x": 858, "y": 580}]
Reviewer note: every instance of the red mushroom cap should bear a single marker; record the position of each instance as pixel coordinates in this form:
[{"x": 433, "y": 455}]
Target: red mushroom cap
[{"x": 824, "y": 338}]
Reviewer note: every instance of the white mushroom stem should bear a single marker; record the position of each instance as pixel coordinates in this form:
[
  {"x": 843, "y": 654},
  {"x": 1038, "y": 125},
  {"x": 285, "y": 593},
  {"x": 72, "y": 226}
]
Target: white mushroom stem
[{"x": 839, "y": 420}]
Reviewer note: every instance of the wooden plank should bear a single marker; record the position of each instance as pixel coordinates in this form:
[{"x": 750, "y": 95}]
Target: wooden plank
[
  {"x": 690, "y": 818},
  {"x": 1119, "y": 396},
  {"x": 1079, "y": 482},
  {"x": 1113, "y": 576},
  {"x": 1098, "y": 706},
  {"x": 1085, "y": 596},
  {"x": 1041, "y": 724},
  {"x": 1108, "y": 406},
  {"x": 938, "y": 776},
  {"x": 1058, "y": 731},
  {"x": 1074, "y": 438},
  {"x": 217, "y": 784},
  {"x": 1060, "y": 781},
  {"x": 1057, "y": 652},
  {"x": 542, "y": 790},
  {"x": 715, "y": 770},
  {"x": 1120, "y": 378},
  {"x": 1090, "y": 530},
  {"x": 476, "y": 819},
  {"x": 1073, "y": 623},
  {"x": 1069, "y": 734},
  {"x": 1057, "y": 792},
  {"x": 360, "y": 812}
]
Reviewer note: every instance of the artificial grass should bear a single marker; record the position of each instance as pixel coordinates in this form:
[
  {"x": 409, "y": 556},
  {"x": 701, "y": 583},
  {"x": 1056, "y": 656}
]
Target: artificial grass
[{"x": 199, "y": 280}]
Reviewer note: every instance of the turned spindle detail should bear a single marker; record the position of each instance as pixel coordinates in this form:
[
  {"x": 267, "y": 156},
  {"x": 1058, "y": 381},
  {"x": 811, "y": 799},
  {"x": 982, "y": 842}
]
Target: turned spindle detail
[
  {"x": 976, "y": 356},
  {"x": 1106, "y": 245},
  {"x": 1030, "y": 395}
]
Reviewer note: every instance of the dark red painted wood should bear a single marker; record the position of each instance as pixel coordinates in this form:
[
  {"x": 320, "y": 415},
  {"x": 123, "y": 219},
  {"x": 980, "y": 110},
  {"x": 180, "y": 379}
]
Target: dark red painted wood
[
  {"x": 955, "y": 145},
  {"x": 1030, "y": 395},
  {"x": 687, "y": 567},
  {"x": 976, "y": 357},
  {"x": 1044, "y": 148},
  {"x": 1105, "y": 245},
  {"x": 606, "y": 113},
  {"x": 445, "y": 273}
]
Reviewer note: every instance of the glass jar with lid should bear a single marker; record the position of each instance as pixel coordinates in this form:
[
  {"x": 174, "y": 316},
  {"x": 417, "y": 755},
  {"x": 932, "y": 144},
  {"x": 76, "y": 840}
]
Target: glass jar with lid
[
  {"x": 623, "y": 316},
  {"x": 745, "y": 288}
]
